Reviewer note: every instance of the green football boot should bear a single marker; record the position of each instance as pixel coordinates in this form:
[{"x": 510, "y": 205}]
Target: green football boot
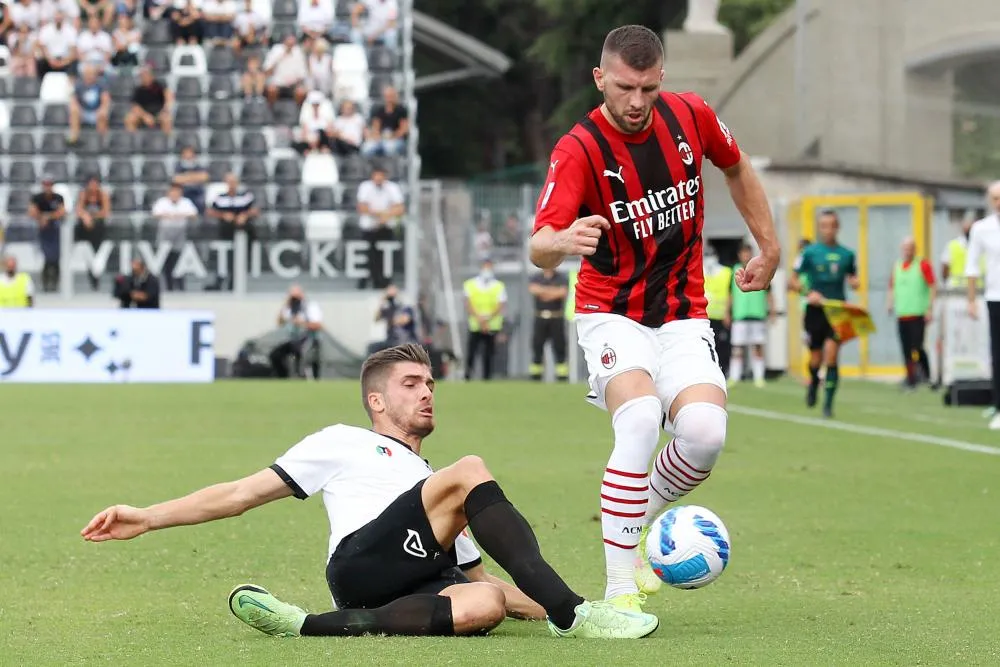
[
  {"x": 262, "y": 611},
  {"x": 601, "y": 620}
]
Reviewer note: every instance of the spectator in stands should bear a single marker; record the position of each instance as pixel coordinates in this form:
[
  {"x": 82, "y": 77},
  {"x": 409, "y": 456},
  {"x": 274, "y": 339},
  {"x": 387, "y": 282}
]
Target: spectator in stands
[
  {"x": 102, "y": 10},
  {"x": 140, "y": 289},
  {"x": 253, "y": 81},
  {"x": 315, "y": 130},
  {"x": 250, "y": 28},
  {"x": 152, "y": 103},
  {"x": 22, "y": 42},
  {"x": 57, "y": 46},
  {"x": 380, "y": 27},
  {"x": 154, "y": 10},
  {"x": 482, "y": 241},
  {"x": 286, "y": 69},
  {"x": 315, "y": 18},
  {"x": 48, "y": 210},
  {"x": 235, "y": 209},
  {"x": 6, "y": 22},
  {"x": 173, "y": 212},
  {"x": 510, "y": 234},
  {"x": 186, "y": 27},
  {"x": 95, "y": 45},
  {"x": 380, "y": 205},
  {"x": 320, "y": 66},
  {"x": 26, "y": 12},
  {"x": 92, "y": 211},
  {"x": 127, "y": 41},
  {"x": 70, "y": 10},
  {"x": 192, "y": 177},
  {"x": 400, "y": 321},
  {"x": 348, "y": 130},
  {"x": 390, "y": 125},
  {"x": 218, "y": 16},
  {"x": 302, "y": 320},
  {"x": 17, "y": 289},
  {"x": 90, "y": 104}
]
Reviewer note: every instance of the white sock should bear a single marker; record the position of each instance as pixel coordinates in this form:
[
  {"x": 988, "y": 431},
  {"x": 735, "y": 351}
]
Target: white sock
[
  {"x": 625, "y": 489},
  {"x": 736, "y": 368},
  {"x": 687, "y": 460},
  {"x": 757, "y": 366}
]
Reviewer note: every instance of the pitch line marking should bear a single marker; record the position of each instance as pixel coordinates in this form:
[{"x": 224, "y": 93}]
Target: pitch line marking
[{"x": 865, "y": 430}]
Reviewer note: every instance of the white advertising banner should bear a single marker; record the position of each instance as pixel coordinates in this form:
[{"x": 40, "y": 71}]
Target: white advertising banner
[
  {"x": 38, "y": 345},
  {"x": 966, "y": 341}
]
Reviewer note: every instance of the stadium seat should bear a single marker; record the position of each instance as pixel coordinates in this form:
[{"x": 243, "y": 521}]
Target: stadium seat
[
  {"x": 349, "y": 199},
  {"x": 123, "y": 199},
  {"x": 187, "y": 116},
  {"x": 354, "y": 169},
  {"x": 22, "y": 172},
  {"x": 220, "y": 116},
  {"x": 287, "y": 172},
  {"x": 377, "y": 85},
  {"x": 255, "y": 114},
  {"x": 188, "y": 60},
  {"x": 121, "y": 143},
  {"x": 290, "y": 227},
  {"x": 152, "y": 143},
  {"x": 56, "y": 115},
  {"x": 288, "y": 199},
  {"x": 187, "y": 138},
  {"x": 351, "y": 86},
  {"x": 4, "y": 117},
  {"x": 159, "y": 59},
  {"x": 154, "y": 172},
  {"x": 319, "y": 169},
  {"x": 120, "y": 227},
  {"x": 188, "y": 88},
  {"x": 56, "y": 88},
  {"x": 88, "y": 143},
  {"x": 323, "y": 226},
  {"x": 280, "y": 30},
  {"x": 121, "y": 89},
  {"x": 58, "y": 169},
  {"x": 156, "y": 33},
  {"x": 285, "y": 10},
  {"x": 21, "y": 143},
  {"x": 263, "y": 8},
  {"x": 261, "y": 199},
  {"x": 221, "y": 87},
  {"x": 18, "y": 200},
  {"x": 120, "y": 172},
  {"x": 322, "y": 198},
  {"x": 254, "y": 172},
  {"x": 217, "y": 169},
  {"x": 24, "y": 116},
  {"x": 25, "y": 88},
  {"x": 349, "y": 59},
  {"x": 221, "y": 60},
  {"x": 150, "y": 196},
  {"x": 221, "y": 143},
  {"x": 286, "y": 112},
  {"x": 87, "y": 167},
  {"x": 117, "y": 117},
  {"x": 381, "y": 59},
  {"x": 4, "y": 62},
  {"x": 54, "y": 143},
  {"x": 253, "y": 143}
]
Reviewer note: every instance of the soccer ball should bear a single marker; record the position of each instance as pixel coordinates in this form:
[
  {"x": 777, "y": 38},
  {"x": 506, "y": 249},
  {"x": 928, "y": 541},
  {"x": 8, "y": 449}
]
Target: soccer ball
[{"x": 688, "y": 546}]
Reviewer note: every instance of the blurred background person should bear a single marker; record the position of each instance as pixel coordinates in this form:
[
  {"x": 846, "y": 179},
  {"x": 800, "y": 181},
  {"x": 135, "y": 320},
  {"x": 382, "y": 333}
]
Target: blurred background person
[
  {"x": 549, "y": 289},
  {"x": 17, "y": 289},
  {"x": 912, "y": 292},
  {"x": 92, "y": 211},
  {"x": 718, "y": 285},
  {"x": 301, "y": 320},
  {"x": 749, "y": 313},
  {"x": 172, "y": 213},
  {"x": 48, "y": 209},
  {"x": 139, "y": 289},
  {"x": 485, "y": 302},
  {"x": 400, "y": 321}
]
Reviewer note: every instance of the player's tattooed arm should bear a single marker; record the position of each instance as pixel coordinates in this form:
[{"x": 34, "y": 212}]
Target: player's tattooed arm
[{"x": 518, "y": 604}]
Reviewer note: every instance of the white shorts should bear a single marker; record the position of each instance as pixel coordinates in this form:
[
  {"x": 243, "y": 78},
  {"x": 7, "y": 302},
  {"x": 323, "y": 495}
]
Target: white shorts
[
  {"x": 748, "y": 332},
  {"x": 677, "y": 355}
]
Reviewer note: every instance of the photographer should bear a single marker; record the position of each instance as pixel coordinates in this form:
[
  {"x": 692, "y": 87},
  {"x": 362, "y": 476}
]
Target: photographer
[
  {"x": 400, "y": 321},
  {"x": 301, "y": 320},
  {"x": 141, "y": 289}
]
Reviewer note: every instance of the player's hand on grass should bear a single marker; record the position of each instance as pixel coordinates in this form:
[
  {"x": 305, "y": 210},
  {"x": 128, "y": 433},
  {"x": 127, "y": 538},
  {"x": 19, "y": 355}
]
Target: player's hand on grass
[
  {"x": 757, "y": 274},
  {"x": 582, "y": 236},
  {"x": 119, "y": 522}
]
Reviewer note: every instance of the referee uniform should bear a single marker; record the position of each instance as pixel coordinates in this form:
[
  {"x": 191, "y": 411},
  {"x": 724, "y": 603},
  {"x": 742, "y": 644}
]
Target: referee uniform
[{"x": 984, "y": 246}]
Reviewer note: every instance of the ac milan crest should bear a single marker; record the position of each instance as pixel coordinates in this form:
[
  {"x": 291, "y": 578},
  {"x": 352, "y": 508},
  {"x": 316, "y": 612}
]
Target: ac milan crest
[
  {"x": 687, "y": 155},
  {"x": 608, "y": 357}
]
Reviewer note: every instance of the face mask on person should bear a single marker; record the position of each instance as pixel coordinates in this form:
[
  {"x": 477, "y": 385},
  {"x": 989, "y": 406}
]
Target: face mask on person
[{"x": 486, "y": 274}]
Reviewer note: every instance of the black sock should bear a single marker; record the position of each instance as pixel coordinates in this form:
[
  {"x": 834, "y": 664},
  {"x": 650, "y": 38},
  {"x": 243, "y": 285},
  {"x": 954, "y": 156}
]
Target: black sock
[
  {"x": 506, "y": 536},
  {"x": 413, "y": 615},
  {"x": 814, "y": 376},
  {"x": 832, "y": 380}
]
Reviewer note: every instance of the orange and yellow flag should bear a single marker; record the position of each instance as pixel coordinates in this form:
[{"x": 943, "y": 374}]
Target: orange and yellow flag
[{"x": 848, "y": 320}]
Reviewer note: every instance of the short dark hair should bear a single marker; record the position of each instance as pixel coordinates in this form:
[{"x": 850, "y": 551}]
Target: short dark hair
[
  {"x": 829, "y": 212},
  {"x": 638, "y": 46},
  {"x": 376, "y": 368}
]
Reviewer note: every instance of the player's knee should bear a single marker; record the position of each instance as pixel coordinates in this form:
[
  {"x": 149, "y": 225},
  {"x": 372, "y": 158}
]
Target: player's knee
[
  {"x": 472, "y": 471},
  {"x": 481, "y": 608},
  {"x": 700, "y": 432},
  {"x": 637, "y": 422}
]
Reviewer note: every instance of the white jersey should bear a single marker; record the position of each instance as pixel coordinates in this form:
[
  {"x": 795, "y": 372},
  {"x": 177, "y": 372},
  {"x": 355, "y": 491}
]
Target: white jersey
[{"x": 360, "y": 473}]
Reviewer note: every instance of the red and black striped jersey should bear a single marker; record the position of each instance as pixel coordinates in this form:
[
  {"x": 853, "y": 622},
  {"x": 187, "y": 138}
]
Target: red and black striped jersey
[{"x": 649, "y": 187}]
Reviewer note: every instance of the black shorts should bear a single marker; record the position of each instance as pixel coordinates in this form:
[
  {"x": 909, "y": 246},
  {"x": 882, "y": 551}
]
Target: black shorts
[
  {"x": 817, "y": 327},
  {"x": 393, "y": 555}
]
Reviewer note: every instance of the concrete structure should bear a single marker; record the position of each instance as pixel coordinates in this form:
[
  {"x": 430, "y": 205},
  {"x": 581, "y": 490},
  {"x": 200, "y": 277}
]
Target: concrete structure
[{"x": 867, "y": 83}]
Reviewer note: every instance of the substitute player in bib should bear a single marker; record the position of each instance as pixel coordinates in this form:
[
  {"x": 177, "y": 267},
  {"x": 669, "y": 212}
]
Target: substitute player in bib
[
  {"x": 825, "y": 267},
  {"x": 624, "y": 191},
  {"x": 749, "y": 313},
  {"x": 397, "y": 538}
]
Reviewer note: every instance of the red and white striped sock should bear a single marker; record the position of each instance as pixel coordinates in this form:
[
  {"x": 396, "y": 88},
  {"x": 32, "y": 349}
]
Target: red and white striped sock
[
  {"x": 672, "y": 478},
  {"x": 625, "y": 489}
]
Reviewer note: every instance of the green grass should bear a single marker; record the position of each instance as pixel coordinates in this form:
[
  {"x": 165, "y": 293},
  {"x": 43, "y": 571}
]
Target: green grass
[{"x": 847, "y": 549}]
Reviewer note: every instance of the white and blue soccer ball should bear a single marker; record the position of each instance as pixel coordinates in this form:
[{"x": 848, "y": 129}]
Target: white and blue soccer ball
[{"x": 688, "y": 546}]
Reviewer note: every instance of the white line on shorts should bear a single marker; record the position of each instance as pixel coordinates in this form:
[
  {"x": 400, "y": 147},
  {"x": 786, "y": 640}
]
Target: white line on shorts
[{"x": 865, "y": 430}]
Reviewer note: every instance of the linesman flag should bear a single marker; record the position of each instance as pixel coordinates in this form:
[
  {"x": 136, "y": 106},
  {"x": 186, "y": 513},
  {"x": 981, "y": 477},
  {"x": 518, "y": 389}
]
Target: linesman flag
[{"x": 848, "y": 320}]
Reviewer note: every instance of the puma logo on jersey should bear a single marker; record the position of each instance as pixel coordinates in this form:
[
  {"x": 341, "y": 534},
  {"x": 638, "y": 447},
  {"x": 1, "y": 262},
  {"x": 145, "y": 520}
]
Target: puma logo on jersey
[
  {"x": 615, "y": 174},
  {"x": 413, "y": 545}
]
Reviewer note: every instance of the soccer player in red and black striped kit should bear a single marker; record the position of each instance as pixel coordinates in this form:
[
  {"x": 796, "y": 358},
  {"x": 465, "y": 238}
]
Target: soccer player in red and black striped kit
[{"x": 624, "y": 191}]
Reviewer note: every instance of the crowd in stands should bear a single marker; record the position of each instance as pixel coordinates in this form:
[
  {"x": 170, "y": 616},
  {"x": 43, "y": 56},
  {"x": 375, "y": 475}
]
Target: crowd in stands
[{"x": 172, "y": 120}]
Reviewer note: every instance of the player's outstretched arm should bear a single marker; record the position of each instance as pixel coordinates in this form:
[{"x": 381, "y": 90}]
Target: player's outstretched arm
[
  {"x": 751, "y": 201},
  {"x": 518, "y": 604},
  {"x": 220, "y": 501}
]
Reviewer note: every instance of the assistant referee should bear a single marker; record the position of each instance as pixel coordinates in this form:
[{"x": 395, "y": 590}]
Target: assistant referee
[{"x": 984, "y": 244}]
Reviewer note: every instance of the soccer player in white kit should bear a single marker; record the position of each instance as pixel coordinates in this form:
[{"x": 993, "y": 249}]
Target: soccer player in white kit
[{"x": 399, "y": 560}]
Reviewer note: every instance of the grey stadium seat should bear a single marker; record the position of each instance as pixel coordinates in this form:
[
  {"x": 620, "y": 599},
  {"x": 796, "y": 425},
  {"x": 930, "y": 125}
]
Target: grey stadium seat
[
  {"x": 187, "y": 116},
  {"x": 284, "y": 10},
  {"x": 221, "y": 60},
  {"x": 254, "y": 172},
  {"x": 116, "y": 120},
  {"x": 290, "y": 227},
  {"x": 21, "y": 143},
  {"x": 18, "y": 200},
  {"x": 59, "y": 171},
  {"x": 322, "y": 199},
  {"x": 25, "y": 116},
  {"x": 88, "y": 143},
  {"x": 354, "y": 168},
  {"x": 254, "y": 143},
  {"x": 286, "y": 112},
  {"x": 220, "y": 116},
  {"x": 25, "y": 88},
  {"x": 221, "y": 143},
  {"x": 152, "y": 143},
  {"x": 217, "y": 170},
  {"x": 221, "y": 87},
  {"x": 154, "y": 172},
  {"x": 288, "y": 199},
  {"x": 282, "y": 29},
  {"x": 349, "y": 199},
  {"x": 381, "y": 59},
  {"x": 156, "y": 33},
  {"x": 261, "y": 200},
  {"x": 183, "y": 139},
  {"x": 159, "y": 58},
  {"x": 22, "y": 172},
  {"x": 54, "y": 143},
  {"x": 123, "y": 199},
  {"x": 150, "y": 197},
  {"x": 121, "y": 143},
  {"x": 121, "y": 172},
  {"x": 188, "y": 88},
  {"x": 56, "y": 115},
  {"x": 122, "y": 88},
  {"x": 87, "y": 167},
  {"x": 288, "y": 172},
  {"x": 255, "y": 114}
]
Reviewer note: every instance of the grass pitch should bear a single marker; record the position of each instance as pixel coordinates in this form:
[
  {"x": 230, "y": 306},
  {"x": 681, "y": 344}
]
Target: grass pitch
[{"x": 848, "y": 548}]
